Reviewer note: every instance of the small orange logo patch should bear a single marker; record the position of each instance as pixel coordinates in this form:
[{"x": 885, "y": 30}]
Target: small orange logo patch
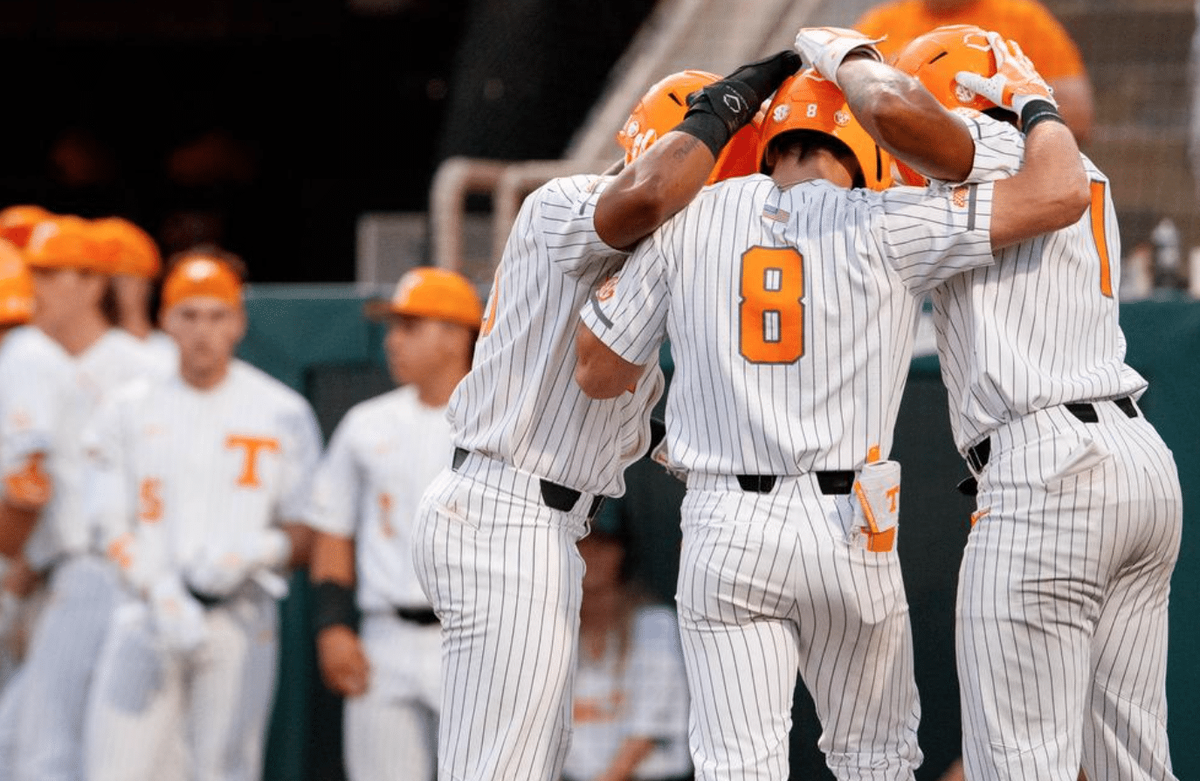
[
  {"x": 959, "y": 196},
  {"x": 607, "y": 289}
]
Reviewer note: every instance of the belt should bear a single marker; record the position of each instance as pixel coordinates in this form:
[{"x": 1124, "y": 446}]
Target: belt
[
  {"x": 836, "y": 482},
  {"x": 1085, "y": 411},
  {"x": 207, "y": 601},
  {"x": 555, "y": 496},
  {"x": 417, "y": 615}
]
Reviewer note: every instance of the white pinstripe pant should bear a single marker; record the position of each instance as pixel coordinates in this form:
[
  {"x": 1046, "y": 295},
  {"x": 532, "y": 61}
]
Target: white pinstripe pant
[
  {"x": 1062, "y": 603},
  {"x": 504, "y": 575},
  {"x": 771, "y": 584}
]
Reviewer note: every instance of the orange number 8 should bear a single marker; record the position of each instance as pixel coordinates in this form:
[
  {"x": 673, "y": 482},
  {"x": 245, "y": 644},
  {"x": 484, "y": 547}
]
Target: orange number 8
[{"x": 772, "y": 312}]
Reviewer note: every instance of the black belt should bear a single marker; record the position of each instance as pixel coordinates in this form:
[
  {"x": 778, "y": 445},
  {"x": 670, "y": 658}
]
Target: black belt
[
  {"x": 555, "y": 496},
  {"x": 417, "y": 615},
  {"x": 838, "y": 482},
  {"x": 978, "y": 454},
  {"x": 207, "y": 601}
]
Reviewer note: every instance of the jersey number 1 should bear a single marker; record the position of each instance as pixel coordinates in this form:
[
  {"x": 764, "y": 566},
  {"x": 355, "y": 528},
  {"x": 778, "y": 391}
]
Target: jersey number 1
[{"x": 771, "y": 308}]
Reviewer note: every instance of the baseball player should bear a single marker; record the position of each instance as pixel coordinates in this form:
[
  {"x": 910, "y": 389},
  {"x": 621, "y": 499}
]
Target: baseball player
[
  {"x": 205, "y": 476},
  {"x": 1062, "y": 601},
  {"x": 380, "y": 460},
  {"x": 790, "y": 301},
  {"x": 496, "y": 532},
  {"x": 52, "y": 377},
  {"x": 136, "y": 264}
]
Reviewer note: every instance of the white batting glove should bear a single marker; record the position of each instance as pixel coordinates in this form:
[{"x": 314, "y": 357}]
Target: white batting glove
[
  {"x": 178, "y": 618},
  {"x": 219, "y": 573},
  {"x": 1016, "y": 81},
  {"x": 139, "y": 567},
  {"x": 824, "y": 48}
]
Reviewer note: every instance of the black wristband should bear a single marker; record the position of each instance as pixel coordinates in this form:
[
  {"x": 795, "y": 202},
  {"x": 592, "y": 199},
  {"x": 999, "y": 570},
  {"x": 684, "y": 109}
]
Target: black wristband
[
  {"x": 708, "y": 128},
  {"x": 1037, "y": 111},
  {"x": 333, "y": 605}
]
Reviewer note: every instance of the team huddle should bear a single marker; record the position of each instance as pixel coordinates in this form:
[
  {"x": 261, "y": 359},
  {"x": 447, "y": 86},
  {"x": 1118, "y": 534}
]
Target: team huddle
[{"x": 780, "y": 229}]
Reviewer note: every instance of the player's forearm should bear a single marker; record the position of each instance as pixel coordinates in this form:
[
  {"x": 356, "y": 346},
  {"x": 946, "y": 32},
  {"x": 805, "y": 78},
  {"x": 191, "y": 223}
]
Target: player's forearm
[
  {"x": 1049, "y": 193},
  {"x": 653, "y": 189},
  {"x": 600, "y": 372},
  {"x": 332, "y": 559},
  {"x": 300, "y": 538},
  {"x": 906, "y": 120},
  {"x": 16, "y": 525}
]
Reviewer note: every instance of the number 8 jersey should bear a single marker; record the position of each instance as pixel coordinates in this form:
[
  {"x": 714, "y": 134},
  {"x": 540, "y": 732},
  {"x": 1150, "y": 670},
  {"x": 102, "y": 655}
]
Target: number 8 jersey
[{"x": 791, "y": 314}]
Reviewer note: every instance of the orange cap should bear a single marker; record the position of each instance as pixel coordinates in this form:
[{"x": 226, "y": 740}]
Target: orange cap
[
  {"x": 129, "y": 249},
  {"x": 17, "y": 222},
  {"x": 201, "y": 275},
  {"x": 438, "y": 294},
  {"x": 66, "y": 242},
  {"x": 16, "y": 286}
]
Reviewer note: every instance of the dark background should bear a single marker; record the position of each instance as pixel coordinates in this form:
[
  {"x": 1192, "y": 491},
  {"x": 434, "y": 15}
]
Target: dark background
[{"x": 269, "y": 126}]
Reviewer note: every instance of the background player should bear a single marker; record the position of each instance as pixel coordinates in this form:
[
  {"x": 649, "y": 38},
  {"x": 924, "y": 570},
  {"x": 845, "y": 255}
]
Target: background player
[
  {"x": 207, "y": 472},
  {"x": 1080, "y": 491},
  {"x": 381, "y": 458},
  {"x": 791, "y": 336},
  {"x": 496, "y": 533},
  {"x": 53, "y": 378},
  {"x": 631, "y": 700},
  {"x": 136, "y": 264}
]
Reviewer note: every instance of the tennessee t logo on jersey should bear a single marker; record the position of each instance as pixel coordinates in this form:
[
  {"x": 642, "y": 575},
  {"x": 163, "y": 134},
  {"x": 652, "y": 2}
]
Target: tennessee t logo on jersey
[{"x": 251, "y": 446}]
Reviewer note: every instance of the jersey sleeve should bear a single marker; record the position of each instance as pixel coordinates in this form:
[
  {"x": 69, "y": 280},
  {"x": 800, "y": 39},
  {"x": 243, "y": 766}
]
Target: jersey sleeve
[
  {"x": 567, "y": 208},
  {"x": 628, "y": 313},
  {"x": 299, "y": 465},
  {"x": 338, "y": 484},
  {"x": 999, "y": 147},
  {"x": 109, "y": 494},
  {"x": 30, "y": 410},
  {"x": 658, "y": 691},
  {"x": 930, "y": 235}
]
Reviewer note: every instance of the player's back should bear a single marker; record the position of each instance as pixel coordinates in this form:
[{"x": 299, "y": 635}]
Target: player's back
[
  {"x": 520, "y": 402},
  {"x": 1040, "y": 327},
  {"x": 789, "y": 328}
]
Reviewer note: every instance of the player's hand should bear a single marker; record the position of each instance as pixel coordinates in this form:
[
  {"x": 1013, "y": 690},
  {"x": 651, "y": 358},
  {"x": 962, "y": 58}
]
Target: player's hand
[
  {"x": 344, "y": 665},
  {"x": 20, "y": 580},
  {"x": 221, "y": 572},
  {"x": 178, "y": 619},
  {"x": 824, "y": 48},
  {"x": 738, "y": 97},
  {"x": 1016, "y": 81}
]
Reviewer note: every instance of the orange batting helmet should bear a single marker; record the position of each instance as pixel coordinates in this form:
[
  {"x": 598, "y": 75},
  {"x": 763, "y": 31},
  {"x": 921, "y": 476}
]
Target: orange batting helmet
[
  {"x": 130, "y": 249},
  {"x": 17, "y": 222},
  {"x": 16, "y": 286},
  {"x": 937, "y": 55},
  {"x": 663, "y": 107},
  {"x": 438, "y": 294},
  {"x": 66, "y": 242},
  {"x": 807, "y": 101}
]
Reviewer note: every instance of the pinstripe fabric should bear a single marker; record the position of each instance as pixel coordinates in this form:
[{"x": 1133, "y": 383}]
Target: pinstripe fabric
[
  {"x": 499, "y": 566},
  {"x": 774, "y": 583},
  {"x": 1062, "y": 618},
  {"x": 505, "y": 577},
  {"x": 520, "y": 403},
  {"x": 1062, "y": 606},
  {"x": 390, "y": 733}
]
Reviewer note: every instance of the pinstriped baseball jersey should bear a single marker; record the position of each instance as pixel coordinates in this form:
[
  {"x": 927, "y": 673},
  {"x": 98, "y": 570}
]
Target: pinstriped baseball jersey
[
  {"x": 207, "y": 467},
  {"x": 791, "y": 314},
  {"x": 520, "y": 403},
  {"x": 380, "y": 460},
  {"x": 1039, "y": 327}
]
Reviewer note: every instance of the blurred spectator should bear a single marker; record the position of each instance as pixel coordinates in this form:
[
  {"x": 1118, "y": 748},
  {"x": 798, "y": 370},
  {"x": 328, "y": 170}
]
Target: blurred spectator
[
  {"x": 631, "y": 702},
  {"x": 1027, "y": 22}
]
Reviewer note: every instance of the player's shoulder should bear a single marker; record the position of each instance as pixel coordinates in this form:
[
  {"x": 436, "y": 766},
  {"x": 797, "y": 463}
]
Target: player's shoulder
[
  {"x": 30, "y": 348},
  {"x": 568, "y": 190},
  {"x": 253, "y": 381},
  {"x": 379, "y": 410}
]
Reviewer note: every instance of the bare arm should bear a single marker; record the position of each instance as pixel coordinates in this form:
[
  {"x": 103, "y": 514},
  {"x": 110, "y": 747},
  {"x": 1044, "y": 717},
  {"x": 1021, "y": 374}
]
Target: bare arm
[
  {"x": 332, "y": 559},
  {"x": 1050, "y": 191},
  {"x": 906, "y": 119},
  {"x": 629, "y": 755},
  {"x": 16, "y": 524},
  {"x": 301, "y": 538},
  {"x": 343, "y": 663},
  {"x": 650, "y": 191},
  {"x": 600, "y": 372}
]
